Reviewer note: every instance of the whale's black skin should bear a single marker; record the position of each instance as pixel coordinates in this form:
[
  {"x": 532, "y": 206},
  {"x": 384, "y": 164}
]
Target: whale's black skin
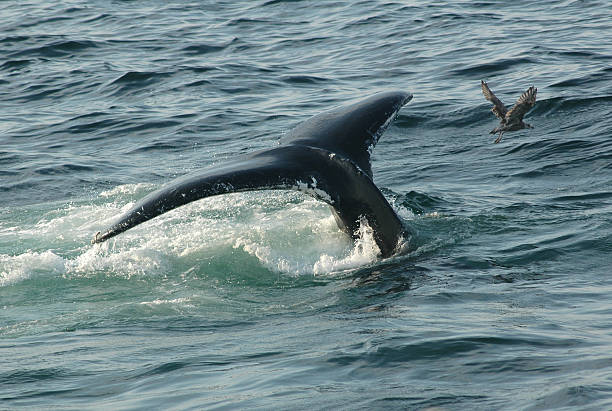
[{"x": 327, "y": 156}]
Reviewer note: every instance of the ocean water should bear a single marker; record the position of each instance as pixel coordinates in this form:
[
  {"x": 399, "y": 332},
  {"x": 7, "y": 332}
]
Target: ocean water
[{"x": 256, "y": 300}]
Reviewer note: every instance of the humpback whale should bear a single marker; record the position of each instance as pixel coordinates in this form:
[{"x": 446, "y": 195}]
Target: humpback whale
[{"x": 326, "y": 156}]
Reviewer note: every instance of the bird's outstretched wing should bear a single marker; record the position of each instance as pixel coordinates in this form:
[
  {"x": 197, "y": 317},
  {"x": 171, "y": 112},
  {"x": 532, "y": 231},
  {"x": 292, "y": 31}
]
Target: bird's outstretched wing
[
  {"x": 524, "y": 103},
  {"x": 498, "y": 107}
]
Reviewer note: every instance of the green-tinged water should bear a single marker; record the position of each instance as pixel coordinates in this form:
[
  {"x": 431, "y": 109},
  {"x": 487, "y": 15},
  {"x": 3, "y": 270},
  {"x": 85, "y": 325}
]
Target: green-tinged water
[{"x": 500, "y": 300}]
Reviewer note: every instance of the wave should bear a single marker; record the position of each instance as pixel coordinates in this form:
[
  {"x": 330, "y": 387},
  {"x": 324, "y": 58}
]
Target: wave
[
  {"x": 420, "y": 203},
  {"x": 590, "y": 80},
  {"x": 397, "y": 351},
  {"x": 556, "y": 105},
  {"x": 139, "y": 78},
  {"x": 490, "y": 68},
  {"x": 275, "y": 232},
  {"x": 200, "y": 49},
  {"x": 273, "y": 2},
  {"x": 14, "y": 65},
  {"x": 303, "y": 79},
  {"x": 58, "y": 48},
  {"x": 251, "y": 236},
  {"x": 17, "y": 377}
]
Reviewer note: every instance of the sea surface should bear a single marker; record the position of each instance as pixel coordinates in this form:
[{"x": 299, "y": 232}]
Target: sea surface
[{"x": 503, "y": 300}]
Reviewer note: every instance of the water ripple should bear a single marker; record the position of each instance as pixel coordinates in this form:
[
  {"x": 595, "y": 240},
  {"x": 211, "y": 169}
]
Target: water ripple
[{"x": 258, "y": 300}]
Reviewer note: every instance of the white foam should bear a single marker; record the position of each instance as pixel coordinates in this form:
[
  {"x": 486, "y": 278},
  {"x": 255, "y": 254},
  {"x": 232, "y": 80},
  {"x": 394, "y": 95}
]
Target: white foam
[
  {"x": 365, "y": 251},
  {"x": 286, "y": 231},
  {"x": 123, "y": 262},
  {"x": 174, "y": 301},
  {"x": 312, "y": 189},
  {"x": 127, "y": 189},
  {"x": 14, "y": 269},
  {"x": 401, "y": 210}
]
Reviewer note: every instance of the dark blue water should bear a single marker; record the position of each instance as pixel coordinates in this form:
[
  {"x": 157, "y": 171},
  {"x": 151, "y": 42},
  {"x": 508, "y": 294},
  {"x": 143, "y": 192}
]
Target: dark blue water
[{"x": 257, "y": 300}]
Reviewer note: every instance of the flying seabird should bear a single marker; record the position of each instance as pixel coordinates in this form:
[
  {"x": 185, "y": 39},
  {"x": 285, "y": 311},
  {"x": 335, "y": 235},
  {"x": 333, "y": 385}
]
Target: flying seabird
[{"x": 510, "y": 120}]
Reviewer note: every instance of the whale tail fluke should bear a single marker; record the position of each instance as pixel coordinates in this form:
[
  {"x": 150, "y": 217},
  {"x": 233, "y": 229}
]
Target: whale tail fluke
[
  {"x": 351, "y": 130},
  {"x": 327, "y": 156}
]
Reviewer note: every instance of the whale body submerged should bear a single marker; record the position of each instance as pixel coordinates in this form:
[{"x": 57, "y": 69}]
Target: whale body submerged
[{"x": 326, "y": 156}]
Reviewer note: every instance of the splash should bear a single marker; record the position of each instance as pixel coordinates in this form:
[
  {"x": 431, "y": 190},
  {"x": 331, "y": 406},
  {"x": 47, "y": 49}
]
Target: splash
[
  {"x": 364, "y": 251},
  {"x": 279, "y": 231},
  {"x": 127, "y": 189},
  {"x": 14, "y": 269},
  {"x": 332, "y": 253}
]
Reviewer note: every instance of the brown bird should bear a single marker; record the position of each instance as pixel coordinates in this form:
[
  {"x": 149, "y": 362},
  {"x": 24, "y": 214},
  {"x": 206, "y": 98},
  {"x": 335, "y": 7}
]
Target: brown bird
[{"x": 510, "y": 120}]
